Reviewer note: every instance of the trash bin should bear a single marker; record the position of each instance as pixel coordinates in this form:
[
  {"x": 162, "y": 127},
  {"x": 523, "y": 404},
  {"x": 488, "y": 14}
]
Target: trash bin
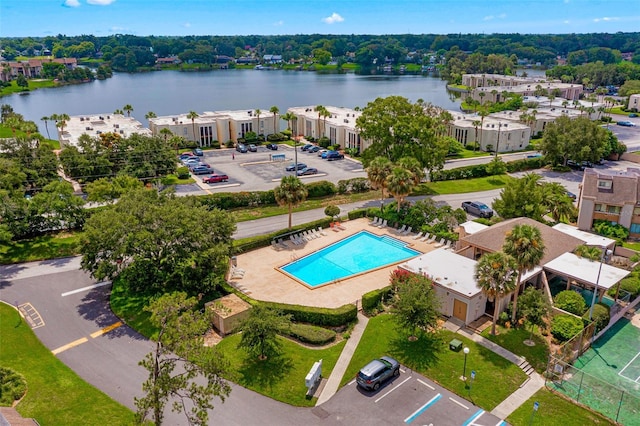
[
  {"x": 234, "y": 260},
  {"x": 455, "y": 345}
]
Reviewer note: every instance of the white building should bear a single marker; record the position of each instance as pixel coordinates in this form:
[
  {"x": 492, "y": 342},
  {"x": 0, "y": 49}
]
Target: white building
[
  {"x": 501, "y": 132},
  {"x": 94, "y": 125},
  {"x": 339, "y": 126},
  {"x": 634, "y": 102}
]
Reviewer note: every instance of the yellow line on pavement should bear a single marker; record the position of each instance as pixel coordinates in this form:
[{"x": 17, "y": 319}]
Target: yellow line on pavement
[
  {"x": 106, "y": 329},
  {"x": 69, "y": 345}
]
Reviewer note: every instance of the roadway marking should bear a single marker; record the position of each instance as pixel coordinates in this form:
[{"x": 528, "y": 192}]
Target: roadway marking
[
  {"x": 473, "y": 418},
  {"x": 459, "y": 403},
  {"x": 427, "y": 385},
  {"x": 422, "y": 409},
  {"x": 31, "y": 315},
  {"x": 396, "y": 387},
  {"x": 351, "y": 382},
  {"x": 84, "y": 339},
  {"x": 502, "y": 423},
  {"x": 80, "y": 290}
]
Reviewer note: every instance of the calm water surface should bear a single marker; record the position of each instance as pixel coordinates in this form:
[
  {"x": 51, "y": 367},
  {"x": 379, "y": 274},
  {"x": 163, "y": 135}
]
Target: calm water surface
[{"x": 174, "y": 92}]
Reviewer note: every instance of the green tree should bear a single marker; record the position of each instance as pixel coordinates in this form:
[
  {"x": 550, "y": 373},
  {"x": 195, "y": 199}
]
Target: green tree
[
  {"x": 557, "y": 202},
  {"x": 496, "y": 275},
  {"x": 400, "y": 183},
  {"x": 524, "y": 243},
  {"x": 106, "y": 190},
  {"x": 416, "y": 305},
  {"x": 332, "y": 211},
  {"x": 192, "y": 115},
  {"x": 521, "y": 198},
  {"x": 578, "y": 139},
  {"x": 180, "y": 327},
  {"x": 290, "y": 193},
  {"x": 257, "y": 113},
  {"x": 288, "y": 117},
  {"x": 377, "y": 172},
  {"x": 275, "y": 110},
  {"x": 570, "y": 301},
  {"x": 155, "y": 241},
  {"x": 46, "y": 126},
  {"x": 150, "y": 115},
  {"x": 57, "y": 207},
  {"x": 128, "y": 109},
  {"x": 260, "y": 331},
  {"x": 534, "y": 308},
  {"x": 588, "y": 252}
]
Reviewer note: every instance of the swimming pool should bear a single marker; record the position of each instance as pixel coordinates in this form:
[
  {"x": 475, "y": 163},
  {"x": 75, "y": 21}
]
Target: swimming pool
[{"x": 361, "y": 252}]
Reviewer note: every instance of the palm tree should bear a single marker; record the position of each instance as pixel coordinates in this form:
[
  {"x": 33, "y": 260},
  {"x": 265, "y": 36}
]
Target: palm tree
[
  {"x": 325, "y": 114},
  {"x": 482, "y": 113},
  {"x": 150, "y": 115},
  {"x": 166, "y": 133},
  {"x": 496, "y": 275},
  {"x": 118, "y": 111},
  {"x": 274, "y": 110},
  {"x": 319, "y": 109},
  {"x": 482, "y": 95},
  {"x": 399, "y": 184},
  {"x": 588, "y": 252},
  {"x": 291, "y": 192},
  {"x": 447, "y": 118},
  {"x": 557, "y": 201},
  {"x": 192, "y": 116},
  {"x": 523, "y": 243},
  {"x": 377, "y": 172},
  {"x": 257, "y": 113},
  {"x": 128, "y": 108},
  {"x": 413, "y": 166},
  {"x": 475, "y": 124},
  {"x": 62, "y": 121},
  {"x": 46, "y": 119}
]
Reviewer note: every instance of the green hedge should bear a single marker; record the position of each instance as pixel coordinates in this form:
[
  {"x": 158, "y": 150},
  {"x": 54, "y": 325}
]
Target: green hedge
[
  {"x": 630, "y": 284},
  {"x": 601, "y": 316},
  {"x": 227, "y": 200},
  {"x": 526, "y": 164},
  {"x": 354, "y": 185},
  {"x": 480, "y": 170},
  {"x": 357, "y": 214},
  {"x": 321, "y": 189},
  {"x": 259, "y": 241},
  {"x": 372, "y": 299},
  {"x": 570, "y": 301},
  {"x": 331, "y": 317},
  {"x": 311, "y": 334},
  {"x": 564, "y": 327}
]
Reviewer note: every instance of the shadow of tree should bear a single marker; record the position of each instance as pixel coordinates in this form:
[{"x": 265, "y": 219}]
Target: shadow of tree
[
  {"x": 256, "y": 373},
  {"x": 419, "y": 354}
]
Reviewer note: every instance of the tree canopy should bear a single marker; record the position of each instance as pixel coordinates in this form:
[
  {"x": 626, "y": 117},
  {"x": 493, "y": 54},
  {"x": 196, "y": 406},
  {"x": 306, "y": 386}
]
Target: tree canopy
[
  {"x": 578, "y": 139},
  {"x": 416, "y": 305}
]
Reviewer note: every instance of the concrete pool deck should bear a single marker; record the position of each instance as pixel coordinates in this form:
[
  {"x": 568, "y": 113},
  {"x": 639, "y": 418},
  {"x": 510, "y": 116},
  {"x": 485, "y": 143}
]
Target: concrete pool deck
[{"x": 262, "y": 280}]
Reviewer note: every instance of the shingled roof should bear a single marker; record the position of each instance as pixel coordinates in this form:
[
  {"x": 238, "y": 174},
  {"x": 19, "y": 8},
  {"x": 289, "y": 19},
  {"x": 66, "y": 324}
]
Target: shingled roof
[{"x": 492, "y": 239}]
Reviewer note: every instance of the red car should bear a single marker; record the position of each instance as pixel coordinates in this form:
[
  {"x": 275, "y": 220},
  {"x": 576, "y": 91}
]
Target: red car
[{"x": 215, "y": 178}]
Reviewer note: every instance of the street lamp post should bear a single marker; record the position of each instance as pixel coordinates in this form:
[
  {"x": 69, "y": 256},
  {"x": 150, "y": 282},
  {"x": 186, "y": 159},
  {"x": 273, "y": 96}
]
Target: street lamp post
[
  {"x": 295, "y": 142},
  {"x": 498, "y": 141},
  {"x": 464, "y": 369},
  {"x": 605, "y": 255}
]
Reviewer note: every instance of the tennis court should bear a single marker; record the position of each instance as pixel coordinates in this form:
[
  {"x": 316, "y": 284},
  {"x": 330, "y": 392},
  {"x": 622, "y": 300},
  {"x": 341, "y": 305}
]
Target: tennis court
[{"x": 607, "y": 376}]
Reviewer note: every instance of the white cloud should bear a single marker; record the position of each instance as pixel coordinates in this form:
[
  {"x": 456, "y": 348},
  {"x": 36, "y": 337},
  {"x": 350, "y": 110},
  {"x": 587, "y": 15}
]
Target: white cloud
[
  {"x": 278, "y": 23},
  {"x": 187, "y": 25},
  {"x": 71, "y": 3},
  {"x": 100, "y": 2},
  {"x": 117, "y": 30},
  {"x": 606, "y": 19},
  {"x": 488, "y": 18},
  {"x": 492, "y": 17},
  {"x": 333, "y": 19},
  {"x": 566, "y": 22}
]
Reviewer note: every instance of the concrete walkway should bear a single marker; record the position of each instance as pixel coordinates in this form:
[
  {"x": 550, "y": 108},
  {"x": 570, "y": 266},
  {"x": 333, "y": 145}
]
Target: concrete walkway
[{"x": 333, "y": 383}]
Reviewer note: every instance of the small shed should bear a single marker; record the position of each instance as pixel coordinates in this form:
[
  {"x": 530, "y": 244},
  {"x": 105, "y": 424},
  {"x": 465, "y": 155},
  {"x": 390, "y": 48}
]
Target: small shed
[{"x": 228, "y": 311}]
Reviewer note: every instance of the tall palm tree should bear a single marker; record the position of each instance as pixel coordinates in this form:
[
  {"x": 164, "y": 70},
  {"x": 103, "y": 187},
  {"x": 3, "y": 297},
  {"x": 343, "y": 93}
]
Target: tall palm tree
[
  {"x": 288, "y": 117},
  {"x": 192, "y": 116},
  {"x": 400, "y": 183},
  {"x": 523, "y": 243},
  {"x": 128, "y": 109},
  {"x": 46, "y": 119},
  {"x": 291, "y": 192},
  {"x": 166, "y": 133},
  {"x": 377, "y": 172},
  {"x": 482, "y": 113},
  {"x": 496, "y": 275},
  {"x": 482, "y": 95},
  {"x": 257, "y": 113},
  {"x": 557, "y": 201},
  {"x": 475, "y": 124},
  {"x": 413, "y": 166},
  {"x": 325, "y": 114},
  {"x": 150, "y": 115},
  {"x": 275, "y": 110},
  {"x": 319, "y": 109},
  {"x": 62, "y": 121}
]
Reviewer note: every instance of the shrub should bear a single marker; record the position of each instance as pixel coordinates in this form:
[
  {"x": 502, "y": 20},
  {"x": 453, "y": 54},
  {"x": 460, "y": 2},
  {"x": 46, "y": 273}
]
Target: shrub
[
  {"x": 630, "y": 284},
  {"x": 252, "y": 243},
  {"x": 311, "y": 334},
  {"x": 525, "y": 164},
  {"x": 227, "y": 200},
  {"x": 324, "y": 142},
  {"x": 564, "y": 327},
  {"x": 570, "y": 301},
  {"x": 608, "y": 229},
  {"x": 215, "y": 144},
  {"x": 601, "y": 315},
  {"x": 12, "y": 386},
  {"x": 321, "y": 189},
  {"x": 332, "y": 317},
  {"x": 503, "y": 318},
  {"x": 357, "y": 214},
  {"x": 182, "y": 172},
  {"x": 466, "y": 172},
  {"x": 372, "y": 299},
  {"x": 332, "y": 211},
  {"x": 354, "y": 185},
  {"x": 229, "y": 143}
]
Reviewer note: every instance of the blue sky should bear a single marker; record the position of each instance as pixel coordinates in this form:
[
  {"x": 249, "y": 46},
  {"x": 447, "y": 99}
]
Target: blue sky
[{"x": 19, "y": 18}]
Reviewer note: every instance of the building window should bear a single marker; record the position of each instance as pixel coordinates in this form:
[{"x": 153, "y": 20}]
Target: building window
[
  {"x": 613, "y": 209},
  {"x": 599, "y": 208},
  {"x": 636, "y": 211},
  {"x": 604, "y": 184}
]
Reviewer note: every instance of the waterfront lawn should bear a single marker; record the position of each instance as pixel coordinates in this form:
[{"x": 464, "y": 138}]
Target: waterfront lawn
[
  {"x": 56, "y": 395},
  {"x": 462, "y": 186},
  {"x": 512, "y": 339},
  {"x": 280, "y": 377},
  {"x": 40, "y": 248},
  {"x": 555, "y": 410},
  {"x": 430, "y": 356}
]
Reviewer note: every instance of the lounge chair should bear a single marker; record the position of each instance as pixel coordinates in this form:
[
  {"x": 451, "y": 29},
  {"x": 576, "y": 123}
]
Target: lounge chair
[
  {"x": 433, "y": 239},
  {"x": 401, "y": 230},
  {"x": 383, "y": 224},
  {"x": 374, "y": 222},
  {"x": 275, "y": 245},
  {"x": 416, "y": 237},
  {"x": 426, "y": 237},
  {"x": 283, "y": 244},
  {"x": 305, "y": 236},
  {"x": 294, "y": 240},
  {"x": 339, "y": 226},
  {"x": 406, "y": 231},
  {"x": 313, "y": 234},
  {"x": 321, "y": 231},
  {"x": 440, "y": 243},
  {"x": 450, "y": 245}
]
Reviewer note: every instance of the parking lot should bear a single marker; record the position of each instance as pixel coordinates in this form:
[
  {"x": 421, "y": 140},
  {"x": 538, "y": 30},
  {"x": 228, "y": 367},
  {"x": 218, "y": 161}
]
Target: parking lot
[
  {"x": 407, "y": 399},
  {"x": 259, "y": 171}
]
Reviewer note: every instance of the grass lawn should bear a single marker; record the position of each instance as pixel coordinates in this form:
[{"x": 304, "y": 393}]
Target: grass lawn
[
  {"x": 554, "y": 410},
  {"x": 39, "y": 248},
  {"x": 467, "y": 153},
  {"x": 632, "y": 245},
  {"x": 281, "y": 377},
  {"x": 130, "y": 308},
  {"x": 56, "y": 395},
  {"x": 513, "y": 338},
  {"x": 431, "y": 356},
  {"x": 462, "y": 186}
]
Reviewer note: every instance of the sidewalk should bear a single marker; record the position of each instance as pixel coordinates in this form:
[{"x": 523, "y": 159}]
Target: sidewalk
[{"x": 333, "y": 383}]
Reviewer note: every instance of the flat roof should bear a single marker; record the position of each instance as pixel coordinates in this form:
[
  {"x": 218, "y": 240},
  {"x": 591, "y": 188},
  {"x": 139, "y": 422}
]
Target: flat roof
[
  {"x": 448, "y": 269},
  {"x": 95, "y": 124},
  {"x": 472, "y": 227},
  {"x": 586, "y": 271},
  {"x": 588, "y": 238}
]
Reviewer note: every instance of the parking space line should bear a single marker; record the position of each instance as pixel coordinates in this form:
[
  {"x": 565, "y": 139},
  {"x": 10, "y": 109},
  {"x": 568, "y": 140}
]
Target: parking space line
[
  {"x": 427, "y": 385},
  {"x": 473, "y": 418},
  {"x": 31, "y": 315},
  {"x": 106, "y": 329},
  {"x": 459, "y": 403},
  {"x": 69, "y": 345},
  {"x": 90, "y": 287},
  {"x": 422, "y": 409},
  {"x": 502, "y": 423},
  {"x": 396, "y": 387},
  {"x": 351, "y": 382}
]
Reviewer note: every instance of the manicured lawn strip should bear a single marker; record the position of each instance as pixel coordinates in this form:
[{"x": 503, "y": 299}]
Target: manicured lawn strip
[
  {"x": 431, "y": 356},
  {"x": 512, "y": 339},
  {"x": 281, "y": 377},
  {"x": 129, "y": 307},
  {"x": 39, "y": 248},
  {"x": 468, "y": 153},
  {"x": 555, "y": 410},
  {"x": 56, "y": 395},
  {"x": 462, "y": 186}
]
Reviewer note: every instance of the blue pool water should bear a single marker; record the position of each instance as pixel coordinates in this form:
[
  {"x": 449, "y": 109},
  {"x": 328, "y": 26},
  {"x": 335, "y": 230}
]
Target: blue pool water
[{"x": 358, "y": 253}]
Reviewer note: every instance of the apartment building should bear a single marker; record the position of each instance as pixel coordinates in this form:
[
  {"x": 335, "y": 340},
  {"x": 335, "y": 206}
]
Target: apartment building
[
  {"x": 31, "y": 68},
  {"x": 634, "y": 102},
  {"x": 339, "y": 126},
  {"x": 500, "y": 132},
  {"x": 95, "y": 125},
  {"x": 611, "y": 195}
]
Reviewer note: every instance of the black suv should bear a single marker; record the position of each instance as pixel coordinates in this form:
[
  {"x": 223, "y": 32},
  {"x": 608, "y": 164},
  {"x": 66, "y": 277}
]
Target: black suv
[
  {"x": 272, "y": 146},
  {"x": 477, "y": 208},
  {"x": 378, "y": 371}
]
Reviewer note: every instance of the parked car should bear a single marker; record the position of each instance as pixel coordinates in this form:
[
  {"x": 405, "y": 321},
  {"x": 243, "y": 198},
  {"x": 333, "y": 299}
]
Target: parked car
[
  {"x": 378, "y": 371},
  {"x": 324, "y": 154},
  {"x": 477, "y": 208},
  {"x": 272, "y": 146},
  {"x": 633, "y": 115},
  {"x": 307, "y": 171},
  {"x": 198, "y": 152},
  {"x": 253, "y": 148},
  {"x": 571, "y": 195},
  {"x": 215, "y": 179},
  {"x": 334, "y": 155},
  {"x": 537, "y": 155},
  {"x": 186, "y": 155},
  {"x": 306, "y": 147},
  {"x": 241, "y": 148},
  {"x": 625, "y": 123},
  {"x": 192, "y": 166},
  {"x": 191, "y": 161},
  {"x": 201, "y": 170},
  {"x": 293, "y": 166},
  {"x": 314, "y": 149},
  {"x": 321, "y": 152}
]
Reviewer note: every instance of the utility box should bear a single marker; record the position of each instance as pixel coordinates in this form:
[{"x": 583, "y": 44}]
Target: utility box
[
  {"x": 228, "y": 312},
  {"x": 455, "y": 345}
]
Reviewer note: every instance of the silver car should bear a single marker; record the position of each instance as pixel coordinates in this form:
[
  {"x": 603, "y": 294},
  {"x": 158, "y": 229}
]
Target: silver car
[{"x": 378, "y": 371}]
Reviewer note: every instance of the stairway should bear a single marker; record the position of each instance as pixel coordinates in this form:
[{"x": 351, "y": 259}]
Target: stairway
[{"x": 526, "y": 367}]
